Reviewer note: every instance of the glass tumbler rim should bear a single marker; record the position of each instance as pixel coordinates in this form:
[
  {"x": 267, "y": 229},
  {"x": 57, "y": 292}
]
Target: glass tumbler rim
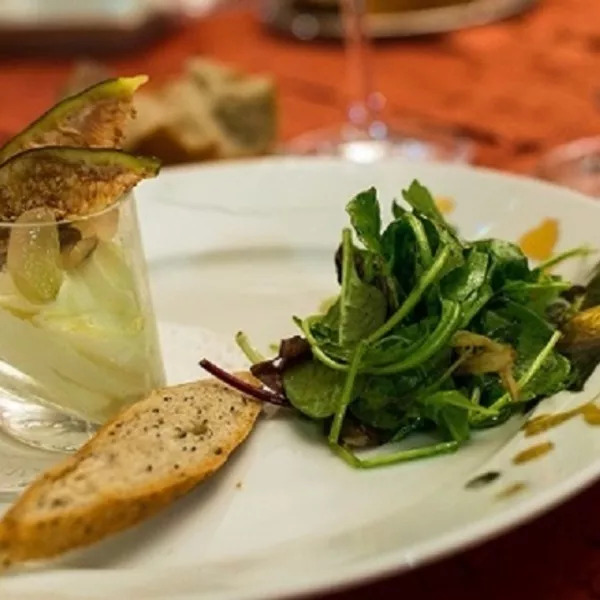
[{"x": 125, "y": 198}]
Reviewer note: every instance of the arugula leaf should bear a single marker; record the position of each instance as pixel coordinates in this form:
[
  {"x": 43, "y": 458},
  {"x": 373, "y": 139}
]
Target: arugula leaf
[
  {"x": 313, "y": 389},
  {"x": 365, "y": 217},
  {"x": 363, "y": 307},
  {"x": 421, "y": 200}
]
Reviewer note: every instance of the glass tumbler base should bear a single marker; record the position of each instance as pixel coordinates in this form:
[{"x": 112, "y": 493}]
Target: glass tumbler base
[
  {"x": 31, "y": 437},
  {"x": 42, "y": 427}
]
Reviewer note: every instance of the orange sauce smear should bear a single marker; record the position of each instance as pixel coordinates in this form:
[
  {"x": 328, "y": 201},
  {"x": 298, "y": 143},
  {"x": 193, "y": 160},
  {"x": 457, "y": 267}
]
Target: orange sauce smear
[{"x": 539, "y": 243}]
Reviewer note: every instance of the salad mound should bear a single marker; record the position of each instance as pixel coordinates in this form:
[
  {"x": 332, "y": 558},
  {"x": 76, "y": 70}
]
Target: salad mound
[{"x": 429, "y": 333}]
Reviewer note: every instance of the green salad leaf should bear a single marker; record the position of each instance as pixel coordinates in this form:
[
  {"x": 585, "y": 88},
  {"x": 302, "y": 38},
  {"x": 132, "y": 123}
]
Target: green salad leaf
[{"x": 431, "y": 333}]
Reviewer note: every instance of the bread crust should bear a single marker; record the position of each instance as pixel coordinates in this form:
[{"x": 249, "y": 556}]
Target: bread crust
[{"x": 28, "y": 533}]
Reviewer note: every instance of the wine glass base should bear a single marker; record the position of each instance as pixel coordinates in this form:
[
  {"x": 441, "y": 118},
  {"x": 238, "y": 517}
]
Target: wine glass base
[
  {"x": 575, "y": 165},
  {"x": 351, "y": 144}
]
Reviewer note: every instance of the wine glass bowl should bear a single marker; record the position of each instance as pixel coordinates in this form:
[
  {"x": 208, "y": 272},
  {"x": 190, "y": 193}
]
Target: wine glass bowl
[{"x": 366, "y": 135}]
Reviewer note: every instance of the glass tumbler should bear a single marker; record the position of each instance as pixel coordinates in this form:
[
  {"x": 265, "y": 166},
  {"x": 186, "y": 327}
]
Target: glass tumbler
[{"x": 78, "y": 337}]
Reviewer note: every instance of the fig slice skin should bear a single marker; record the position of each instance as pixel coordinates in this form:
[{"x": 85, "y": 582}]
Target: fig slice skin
[
  {"x": 94, "y": 118},
  {"x": 72, "y": 182}
]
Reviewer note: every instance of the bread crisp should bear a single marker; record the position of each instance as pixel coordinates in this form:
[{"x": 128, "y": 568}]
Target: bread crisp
[{"x": 152, "y": 453}]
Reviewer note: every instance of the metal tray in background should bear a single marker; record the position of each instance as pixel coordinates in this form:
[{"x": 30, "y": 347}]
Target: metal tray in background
[{"x": 282, "y": 16}]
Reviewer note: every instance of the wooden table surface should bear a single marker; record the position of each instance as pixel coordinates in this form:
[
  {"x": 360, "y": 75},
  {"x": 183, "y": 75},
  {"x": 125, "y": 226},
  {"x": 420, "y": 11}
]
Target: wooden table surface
[{"x": 518, "y": 88}]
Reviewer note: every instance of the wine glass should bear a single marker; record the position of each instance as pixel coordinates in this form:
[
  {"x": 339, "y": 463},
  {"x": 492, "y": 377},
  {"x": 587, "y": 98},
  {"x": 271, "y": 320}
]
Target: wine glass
[
  {"x": 575, "y": 165},
  {"x": 366, "y": 136}
]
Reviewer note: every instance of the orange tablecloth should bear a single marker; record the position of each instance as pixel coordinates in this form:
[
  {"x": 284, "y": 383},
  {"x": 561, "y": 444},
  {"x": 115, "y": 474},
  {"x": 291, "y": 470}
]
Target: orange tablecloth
[{"x": 518, "y": 88}]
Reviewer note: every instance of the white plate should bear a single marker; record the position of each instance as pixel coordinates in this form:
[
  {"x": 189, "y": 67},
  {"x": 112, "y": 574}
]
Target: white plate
[{"x": 247, "y": 245}]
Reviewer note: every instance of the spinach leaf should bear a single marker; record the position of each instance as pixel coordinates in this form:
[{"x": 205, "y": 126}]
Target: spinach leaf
[
  {"x": 313, "y": 388},
  {"x": 400, "y": 253},
  {"x": 461, "y": 283},
  {"x": 363, "y": 307},
  {"x": 400, "y": 344},
  {"x": 472, "y": 305},
  {"x": 383, "y": 401},
  {"x": 428, "y": 348},
  {"x": 552, "y": 377},
  {"x": 421, "y": 200},
  {"x": 366, "y": 219},
  {"x": 507, "y": 261},
  {"x": 468, "y": 284},
  {"x": 324, "y": 331},
  {"x": 441, "y": 236},
  {"x": 494, "y": 325},
  {"x": 532, "y": 333},
  {"x": 449, "y": 410},
  {"x": 454, "y": 422},
  {"x": 425, "y": 256},
  {"x": 397, "y": 210},
  {"x": 538, "y": 292}
]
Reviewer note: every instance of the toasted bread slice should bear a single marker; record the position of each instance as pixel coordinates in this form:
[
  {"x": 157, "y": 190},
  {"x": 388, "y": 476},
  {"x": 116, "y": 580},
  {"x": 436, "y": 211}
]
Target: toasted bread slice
[{"x": 149, "y": 455}]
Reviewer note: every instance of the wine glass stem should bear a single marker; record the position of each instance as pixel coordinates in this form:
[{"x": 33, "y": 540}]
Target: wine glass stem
[{"x": 363, "y": 104}]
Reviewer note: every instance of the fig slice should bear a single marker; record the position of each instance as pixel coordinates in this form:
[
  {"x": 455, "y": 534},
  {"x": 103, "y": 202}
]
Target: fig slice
[
  {"x": 75, "y": 254},
  {"x": 33, "y": 256},
  {"x": 94, "y": 118},
  {"x": 70, "y": 181}
]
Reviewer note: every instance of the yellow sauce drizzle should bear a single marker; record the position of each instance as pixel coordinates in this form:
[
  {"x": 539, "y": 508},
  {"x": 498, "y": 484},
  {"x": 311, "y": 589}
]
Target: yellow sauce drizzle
[
  {"x": 590, "y": 412},
  {"x": 445, "y": 204},
  {"x": 533, "y": 452},
  {"x": 538, "y": 243},
  {"x": 511, "y": 490}
]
